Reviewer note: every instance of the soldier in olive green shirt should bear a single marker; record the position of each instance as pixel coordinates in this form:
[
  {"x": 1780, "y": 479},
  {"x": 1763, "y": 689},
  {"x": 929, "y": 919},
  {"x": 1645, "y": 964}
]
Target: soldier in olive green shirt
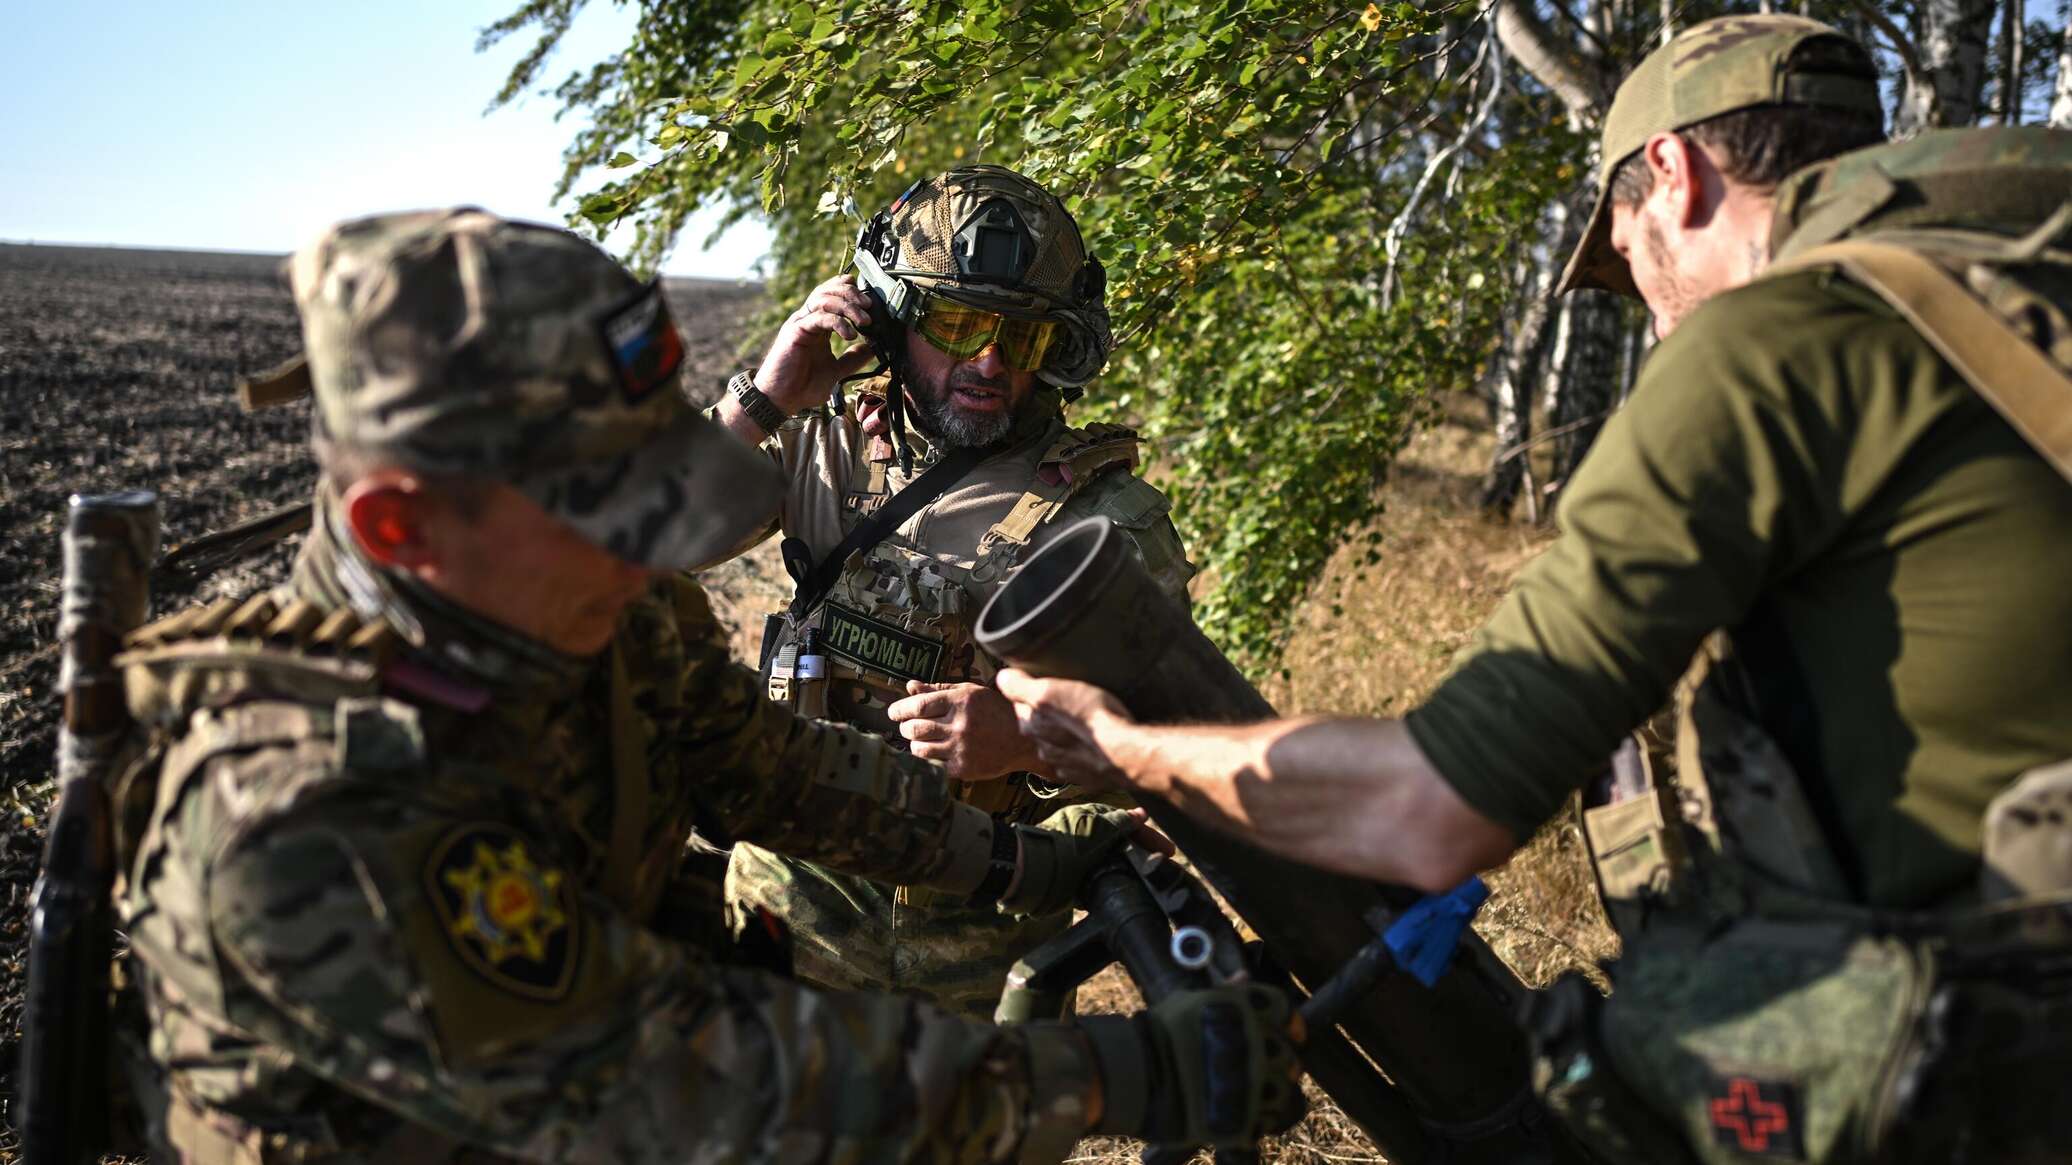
[
  {"x": 1798, "y": 465},
  {"x": 1800, "y": 468}
]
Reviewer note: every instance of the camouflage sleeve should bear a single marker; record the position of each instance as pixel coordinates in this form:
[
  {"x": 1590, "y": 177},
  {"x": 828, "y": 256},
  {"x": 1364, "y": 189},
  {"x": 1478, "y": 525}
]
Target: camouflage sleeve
[
  {"x": 813, "y": 789},
  {"x": 444, "y": 967}
]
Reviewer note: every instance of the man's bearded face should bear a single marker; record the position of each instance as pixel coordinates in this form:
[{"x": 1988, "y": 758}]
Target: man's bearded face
[{"x": 964, "y": 403}]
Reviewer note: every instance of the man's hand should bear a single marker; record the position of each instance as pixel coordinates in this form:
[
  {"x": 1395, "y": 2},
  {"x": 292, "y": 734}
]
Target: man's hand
[
  {"x": 1064, "y": 719},
  {"x": 801, "y": 368},
  {"x": 969, "y": 729},
  {"x": 1207, "y": 1067}
]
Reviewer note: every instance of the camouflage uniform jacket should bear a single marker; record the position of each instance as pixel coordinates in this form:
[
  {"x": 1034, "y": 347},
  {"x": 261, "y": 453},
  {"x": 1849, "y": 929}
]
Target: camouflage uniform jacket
[
  {"x": 924, "y": 586},
  {"x": 381, "y": 914}
]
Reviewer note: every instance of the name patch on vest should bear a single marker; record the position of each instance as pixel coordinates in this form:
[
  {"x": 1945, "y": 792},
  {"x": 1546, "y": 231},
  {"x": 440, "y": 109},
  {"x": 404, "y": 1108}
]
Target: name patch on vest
[{"x": 879, "y": 646}]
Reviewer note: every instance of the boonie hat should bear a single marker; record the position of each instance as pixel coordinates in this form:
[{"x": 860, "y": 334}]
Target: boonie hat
[
  {"x": 459, "y": 342},
  {"x": 1719, "y": 66}
]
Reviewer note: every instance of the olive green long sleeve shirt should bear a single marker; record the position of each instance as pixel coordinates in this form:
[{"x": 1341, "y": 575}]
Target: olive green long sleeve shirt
[{"x": 1894, "y": 562}]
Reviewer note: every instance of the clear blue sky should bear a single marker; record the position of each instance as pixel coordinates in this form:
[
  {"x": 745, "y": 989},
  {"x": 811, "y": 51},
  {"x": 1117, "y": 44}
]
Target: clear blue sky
[{"x": 250, "y": 125}]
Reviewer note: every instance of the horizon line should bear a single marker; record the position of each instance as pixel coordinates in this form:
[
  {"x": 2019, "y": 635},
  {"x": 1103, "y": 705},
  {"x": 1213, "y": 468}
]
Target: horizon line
[{"x": 268, "y": 254}]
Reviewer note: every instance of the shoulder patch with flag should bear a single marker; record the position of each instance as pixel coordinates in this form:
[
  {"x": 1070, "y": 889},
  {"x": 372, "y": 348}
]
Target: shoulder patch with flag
[{"x": 642, "y": 341}]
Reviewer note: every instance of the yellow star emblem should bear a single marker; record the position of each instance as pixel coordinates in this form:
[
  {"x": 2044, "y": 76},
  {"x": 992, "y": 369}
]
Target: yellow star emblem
[
  {"x": 512, "y": 905},
  {"x": 507, "y": 914}
]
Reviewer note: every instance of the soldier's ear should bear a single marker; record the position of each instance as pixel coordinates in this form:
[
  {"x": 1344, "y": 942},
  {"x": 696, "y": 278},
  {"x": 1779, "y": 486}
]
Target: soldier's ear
[
  {"x": 387, "y": 513},
  {"x": 1680, "y": 169}
]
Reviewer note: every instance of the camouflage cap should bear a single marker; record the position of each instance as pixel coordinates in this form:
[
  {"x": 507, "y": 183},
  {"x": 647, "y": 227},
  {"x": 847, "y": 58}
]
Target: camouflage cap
[
  {"x": 988, "y": 237},
  {"x": 458, "y": 342},
  {"x": 1712, "y": 68}
]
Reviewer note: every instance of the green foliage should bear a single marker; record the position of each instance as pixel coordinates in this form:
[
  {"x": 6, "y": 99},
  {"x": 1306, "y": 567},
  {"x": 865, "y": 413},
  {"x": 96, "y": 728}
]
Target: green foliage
[{"x": 1303, "y": 209}]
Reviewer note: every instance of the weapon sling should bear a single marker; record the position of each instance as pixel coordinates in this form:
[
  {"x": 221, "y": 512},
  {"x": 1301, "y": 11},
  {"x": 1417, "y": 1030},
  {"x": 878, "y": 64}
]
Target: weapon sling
[{"x": 936, "y": 481}]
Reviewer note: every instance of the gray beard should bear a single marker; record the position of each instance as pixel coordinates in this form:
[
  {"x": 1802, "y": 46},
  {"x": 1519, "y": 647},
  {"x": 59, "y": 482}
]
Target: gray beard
[{"x": 951, "y": 429}]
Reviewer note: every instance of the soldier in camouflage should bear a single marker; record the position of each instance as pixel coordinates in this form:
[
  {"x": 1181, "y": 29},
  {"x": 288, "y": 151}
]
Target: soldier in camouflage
[
  {"x": 405, "y": 843},
  {"x": 1844, "y": 480},
  {"x": 1007, "y": 321}
]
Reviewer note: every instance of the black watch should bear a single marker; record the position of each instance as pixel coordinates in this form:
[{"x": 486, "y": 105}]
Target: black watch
[
  {"x": 760, "y": 408},
  {"x": 1007, "y": 850}
]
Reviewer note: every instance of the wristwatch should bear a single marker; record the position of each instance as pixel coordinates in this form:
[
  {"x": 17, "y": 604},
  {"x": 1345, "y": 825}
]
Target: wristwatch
[
  {"x": 1000, "y": 865},
  {"x": 760, "y": 409}
]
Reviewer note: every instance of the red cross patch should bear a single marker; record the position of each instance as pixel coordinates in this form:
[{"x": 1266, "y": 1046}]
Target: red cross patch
[{"x": 1755, "y": 1116}]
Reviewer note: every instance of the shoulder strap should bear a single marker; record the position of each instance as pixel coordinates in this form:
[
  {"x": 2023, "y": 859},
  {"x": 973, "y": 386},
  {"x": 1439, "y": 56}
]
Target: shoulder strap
[
  {"x": 933, "y": 483},
  {"x": 1072, "y": 461},
  {"x": 2032, "y": 392}
]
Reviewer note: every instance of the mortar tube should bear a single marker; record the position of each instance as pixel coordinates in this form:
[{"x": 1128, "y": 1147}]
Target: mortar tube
[{"x": 1084, "y": 608}]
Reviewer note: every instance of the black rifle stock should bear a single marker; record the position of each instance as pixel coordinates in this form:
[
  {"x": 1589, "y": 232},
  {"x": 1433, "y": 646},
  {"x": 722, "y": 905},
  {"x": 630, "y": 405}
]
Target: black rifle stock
[
  {"x": 1457, "y": 1085},
  {"x": 62, "y": 1079}
]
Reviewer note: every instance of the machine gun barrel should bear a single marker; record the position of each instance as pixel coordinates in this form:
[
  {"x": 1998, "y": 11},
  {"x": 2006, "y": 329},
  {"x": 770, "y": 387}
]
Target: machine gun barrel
[
  {"x": 109, "y": 544},
  {"x": 1457, "y": 1086}
]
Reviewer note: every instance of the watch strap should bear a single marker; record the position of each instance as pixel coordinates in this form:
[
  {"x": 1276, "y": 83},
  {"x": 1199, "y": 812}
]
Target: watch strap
[
  {"x": 760, "y": 408},
  {"x": 1001, "y": 866}
]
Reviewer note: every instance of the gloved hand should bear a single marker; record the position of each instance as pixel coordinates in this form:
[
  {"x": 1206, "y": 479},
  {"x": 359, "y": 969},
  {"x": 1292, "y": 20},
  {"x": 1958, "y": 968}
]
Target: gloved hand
[
  {"x": 1058, "y": 855},
  {"x": 1211, "y": 1067}
]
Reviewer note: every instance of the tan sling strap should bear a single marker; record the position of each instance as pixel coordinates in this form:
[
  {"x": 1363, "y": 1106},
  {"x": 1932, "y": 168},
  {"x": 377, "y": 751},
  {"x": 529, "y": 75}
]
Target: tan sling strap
[
  {"x": 1080, "y": 453},
  {"x": 284, "y": 383},
  {"x": 2032, "y": 392}
]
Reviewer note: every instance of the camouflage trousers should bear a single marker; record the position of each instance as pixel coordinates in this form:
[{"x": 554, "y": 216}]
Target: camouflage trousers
[{"x": 850, "y": 934}]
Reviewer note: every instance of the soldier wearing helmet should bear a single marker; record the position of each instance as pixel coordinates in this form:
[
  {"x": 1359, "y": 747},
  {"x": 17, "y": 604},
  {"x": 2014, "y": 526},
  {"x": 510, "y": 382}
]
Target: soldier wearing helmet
[{"x": 905, "y": 507}]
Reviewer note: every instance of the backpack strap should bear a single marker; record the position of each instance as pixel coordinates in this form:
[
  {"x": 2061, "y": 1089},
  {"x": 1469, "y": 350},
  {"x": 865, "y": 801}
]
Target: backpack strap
[
  {"x": 2025, "y": 386},
  {"x": 1072, "y": 461}
]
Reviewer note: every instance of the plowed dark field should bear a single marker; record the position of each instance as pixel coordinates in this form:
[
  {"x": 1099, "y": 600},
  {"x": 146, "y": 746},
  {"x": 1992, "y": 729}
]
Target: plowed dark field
[{"x": 117, "y": 371}]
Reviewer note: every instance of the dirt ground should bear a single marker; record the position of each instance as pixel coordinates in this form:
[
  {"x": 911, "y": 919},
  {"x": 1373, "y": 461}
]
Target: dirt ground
[{"x": 117, "y": 370}]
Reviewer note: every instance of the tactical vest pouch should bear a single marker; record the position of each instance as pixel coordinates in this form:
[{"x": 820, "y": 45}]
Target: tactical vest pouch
[
  {"x": 1770, "y": 1039},
  {"x": 1573, "y": 1075},
  {"x": 1768, "y": 1017},
  {"x": 1742, "y": 796},
  {"x": 1638, "y": 851}
]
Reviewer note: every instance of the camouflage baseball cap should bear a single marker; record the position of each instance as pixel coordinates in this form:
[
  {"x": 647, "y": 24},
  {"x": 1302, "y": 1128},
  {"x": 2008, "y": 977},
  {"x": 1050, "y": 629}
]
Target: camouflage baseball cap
[
  {"x": 1712, "y": 68},
  {"x": 458, "y": 342},
  {"x": 990, "y": 238}
]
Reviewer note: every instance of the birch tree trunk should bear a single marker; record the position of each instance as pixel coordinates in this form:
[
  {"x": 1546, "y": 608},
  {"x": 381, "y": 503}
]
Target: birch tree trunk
[
  {"x": 1512, "y": 394},
  {"x": 2011, "y": 63},
  {"x": 1569, "y": 71},
  {"x": 1954, "y": 36},
  {"x": 1588, "y": 388},
  {"x": 2061, "y": 99}
]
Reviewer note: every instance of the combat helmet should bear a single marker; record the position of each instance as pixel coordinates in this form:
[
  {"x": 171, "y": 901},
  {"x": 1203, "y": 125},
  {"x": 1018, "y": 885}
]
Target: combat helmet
[{"x": 986, "y": 237}]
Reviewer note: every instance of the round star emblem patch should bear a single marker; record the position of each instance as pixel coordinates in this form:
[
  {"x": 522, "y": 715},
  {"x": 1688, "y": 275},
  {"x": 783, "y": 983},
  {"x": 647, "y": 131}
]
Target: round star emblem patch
[{"x": 507, "y": 915}]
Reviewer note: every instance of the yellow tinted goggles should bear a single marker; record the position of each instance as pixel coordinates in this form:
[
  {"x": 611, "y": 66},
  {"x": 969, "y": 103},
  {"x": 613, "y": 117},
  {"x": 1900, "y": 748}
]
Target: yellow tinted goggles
[{"x": 964, "y": 332}]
